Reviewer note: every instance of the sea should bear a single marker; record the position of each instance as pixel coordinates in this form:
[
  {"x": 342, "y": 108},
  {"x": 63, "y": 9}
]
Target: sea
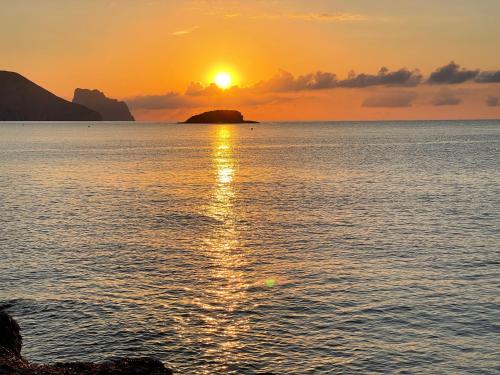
[{"x": 284, "y": 248}]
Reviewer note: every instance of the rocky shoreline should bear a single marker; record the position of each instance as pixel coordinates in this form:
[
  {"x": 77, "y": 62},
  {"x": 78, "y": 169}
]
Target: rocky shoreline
[{"x": 12, "y": 362}]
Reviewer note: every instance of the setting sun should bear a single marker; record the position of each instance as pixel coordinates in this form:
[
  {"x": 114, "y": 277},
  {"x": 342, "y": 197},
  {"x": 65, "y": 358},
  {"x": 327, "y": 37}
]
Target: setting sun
[{"x": 223, "y": 80}]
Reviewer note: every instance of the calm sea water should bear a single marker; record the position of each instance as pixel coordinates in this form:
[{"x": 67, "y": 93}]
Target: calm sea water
[{"x": 296, "y": 248}]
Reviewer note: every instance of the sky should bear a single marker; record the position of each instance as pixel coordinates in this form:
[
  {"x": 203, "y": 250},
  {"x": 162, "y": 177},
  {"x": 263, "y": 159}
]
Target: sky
[{"x": 289, "y": 59}]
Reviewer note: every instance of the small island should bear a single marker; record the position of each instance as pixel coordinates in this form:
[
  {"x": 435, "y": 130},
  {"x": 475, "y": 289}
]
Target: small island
[{"x": 219, "y": 117}]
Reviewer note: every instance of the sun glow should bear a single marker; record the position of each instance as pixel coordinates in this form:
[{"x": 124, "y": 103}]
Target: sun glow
[{"x": 223, "y": 80}]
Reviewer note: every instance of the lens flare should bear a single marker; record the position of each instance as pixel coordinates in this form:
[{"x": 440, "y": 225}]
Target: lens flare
[{"x": 270, "y": 283}]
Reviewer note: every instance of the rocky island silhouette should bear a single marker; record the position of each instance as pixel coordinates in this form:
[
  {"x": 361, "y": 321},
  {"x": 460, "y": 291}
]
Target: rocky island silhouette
[
  {"x": 219, "y": 117},
  {"x": 110, "y": 109}
]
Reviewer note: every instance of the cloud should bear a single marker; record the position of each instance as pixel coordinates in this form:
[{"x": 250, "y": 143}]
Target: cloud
[
  {"x": 284, "y": 86},
  {"x": 390, "y": 100},
  {"x": 451, "y": 74},
  {"x": 197, "y": 96},
  {"x": 185, "y": 32},
  {"x": 197, "y": 89},
  {"x": 318, "y": 17},
  {"x": 488, "y": 77},
  {"x": 446, "y": 97},
  {"x": 267, "y": 10},
  {"x": 402, "y": 77},
  {"x": 167, "y": 101},
  {"x": 308, "y": 17},
  {"x": 286, "y": 82},
  {"x": 454, "y": 74},
  {"x": 493, "y": 101}
]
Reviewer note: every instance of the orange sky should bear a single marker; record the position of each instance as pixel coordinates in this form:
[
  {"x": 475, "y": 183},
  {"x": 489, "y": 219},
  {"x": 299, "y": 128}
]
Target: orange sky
[{"x": 155, "y": 49}]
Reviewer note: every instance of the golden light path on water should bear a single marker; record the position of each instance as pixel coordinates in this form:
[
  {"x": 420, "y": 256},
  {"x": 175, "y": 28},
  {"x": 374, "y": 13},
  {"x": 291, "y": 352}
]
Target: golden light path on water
[{"x": 224, "y": 325}]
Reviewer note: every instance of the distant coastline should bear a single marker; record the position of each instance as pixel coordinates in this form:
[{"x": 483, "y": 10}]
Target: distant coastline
[{"x": 24, "y": 100}]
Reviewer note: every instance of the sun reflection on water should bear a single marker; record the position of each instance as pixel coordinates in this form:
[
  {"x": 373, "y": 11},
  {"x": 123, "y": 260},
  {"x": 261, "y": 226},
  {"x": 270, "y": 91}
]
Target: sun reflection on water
[{"x": 224, "y": 325}]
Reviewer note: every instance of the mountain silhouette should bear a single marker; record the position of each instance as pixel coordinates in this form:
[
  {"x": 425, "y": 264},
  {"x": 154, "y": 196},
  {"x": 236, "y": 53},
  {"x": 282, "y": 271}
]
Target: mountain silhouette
[
  {"x": 23, "y": 100},
  {"x": 110, "y": 109}
]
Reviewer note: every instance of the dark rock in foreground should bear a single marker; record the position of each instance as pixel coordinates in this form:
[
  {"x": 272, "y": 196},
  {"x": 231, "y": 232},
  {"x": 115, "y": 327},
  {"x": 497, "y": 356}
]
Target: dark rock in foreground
[
  {"x": 110, "y": 109},
  {"x": 23, "y": 100},
  {"x": 12, "y": 363},
  {"x": 219, "y": 117}
]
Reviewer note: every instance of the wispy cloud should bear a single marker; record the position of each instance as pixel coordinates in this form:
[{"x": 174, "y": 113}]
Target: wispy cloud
[
  {"x": 169, "y": 100},
  {"x": 493, "y": 101},
  {"x": 309, "y": 17},
  {"x": 390, "y": 100},
  {"x": 446, "y": 97},
  {"x": 198, "y": 96},
  {"x": 325, "y": 17},
  {"x": 271, "y": 10},
  {"x": 185, "y": 32}
]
